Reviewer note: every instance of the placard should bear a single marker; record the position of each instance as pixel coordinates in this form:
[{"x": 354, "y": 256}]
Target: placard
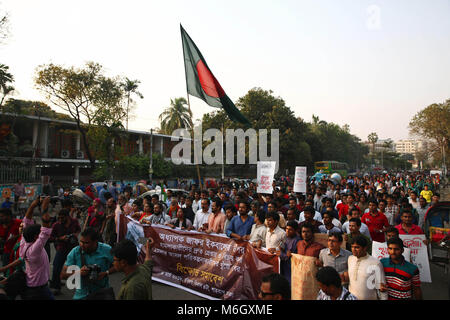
[
  {"x": 265, "y": 175},
  {"x": 303, "y": 278},
  {"x": 380, "y": 251},
  {"x": 419, "y": 254},
  {"x": 300, "y": 180}
]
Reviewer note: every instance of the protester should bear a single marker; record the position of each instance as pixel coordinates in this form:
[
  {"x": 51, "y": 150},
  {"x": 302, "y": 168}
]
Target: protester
[
  {"x": 290, "y": 247},
  {"x": 144, "y": 216},
  {"x": 90, "y": 254},
  {"x": 137, "y": 284},
  {"x": 334, "y": 256},
  {"x": 108, "y": 229},
  {"x": 308, "y": 219},
  {"x": 19, "y": 191},
  {"x": 356, "y": 214},
  {"x": 354, "y": 228},
  {"x": 376, "y": 222},
  {"x": 202, "y": 216},
  {"x": 216, "y": 220},
  {"x": 307, "y": 246},
  {"x": 275, "y": 236},
  {"x": 230, "y": 212},
  {"x": 407, "y": 227},
  {"x": 65, "y": 236},
  {"x": 257, "y": 237},
  {"x": 9, "y": 233},
  {"x": 180, "y": 221},
  {"x": 330, "y": 284},
  {"x": 402, "y": 277},
  {"x": 95, "y": 216},
  {"x": 32, "y": 251},
  {"x": 274, "y": 287},
  {"x": 392, "y": 232},
  {"x": 240, "y": 225},
  {"x": 158, "y": 216},
  {"x": 327, "y": 226},
  {"x": 365, "y": 273}
]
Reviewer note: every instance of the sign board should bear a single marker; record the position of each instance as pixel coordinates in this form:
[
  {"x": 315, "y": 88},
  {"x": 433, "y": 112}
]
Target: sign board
[
  {"x": 419, "y": 254},
  {"x": 265, "y": 175},
  {"x": 380, "y": 251},
  {"x": 300, "y": 180},
  {"x": 303, "y": 278}
]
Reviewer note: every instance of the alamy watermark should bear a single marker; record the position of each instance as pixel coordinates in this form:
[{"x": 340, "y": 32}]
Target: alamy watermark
[{"x": 213, "y": 153}]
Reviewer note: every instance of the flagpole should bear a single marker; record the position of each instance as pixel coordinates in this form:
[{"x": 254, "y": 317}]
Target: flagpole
[
  {"x": 223, "y": 156},
  {"x": 192, "y": 131}
]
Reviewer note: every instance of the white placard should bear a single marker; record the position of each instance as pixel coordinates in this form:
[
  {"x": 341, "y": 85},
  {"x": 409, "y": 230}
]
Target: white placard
[
  {"x": 419, "y": 254},
  {"x": 300, "y": 179},
  {"x": 266, "y": 172},
  {"x": 380, "y": 251}
]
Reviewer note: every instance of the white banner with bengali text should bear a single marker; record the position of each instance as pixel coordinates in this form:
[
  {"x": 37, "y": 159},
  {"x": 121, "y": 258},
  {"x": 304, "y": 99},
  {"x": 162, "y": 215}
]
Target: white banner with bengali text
[
  {"x": 265, "y": 175},
  {"x": 300, "y": 180}
]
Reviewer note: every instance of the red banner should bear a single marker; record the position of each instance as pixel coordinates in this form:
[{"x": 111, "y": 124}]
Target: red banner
[{"x": 213, "y": 266}]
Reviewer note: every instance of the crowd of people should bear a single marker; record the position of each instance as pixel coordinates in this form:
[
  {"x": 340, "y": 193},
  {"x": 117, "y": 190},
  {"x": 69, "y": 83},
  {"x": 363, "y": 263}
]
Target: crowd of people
[{"x": 357, "y": 210}]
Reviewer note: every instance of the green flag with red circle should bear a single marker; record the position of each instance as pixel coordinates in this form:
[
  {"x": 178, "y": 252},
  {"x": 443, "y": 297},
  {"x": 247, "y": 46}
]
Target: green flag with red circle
[{"x": 201, "y": 82}]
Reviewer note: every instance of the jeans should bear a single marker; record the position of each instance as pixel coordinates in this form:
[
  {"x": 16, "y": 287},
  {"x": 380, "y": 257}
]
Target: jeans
[
  {"x": 38, "y": 293},
  {"x": 58, "y": 264}
]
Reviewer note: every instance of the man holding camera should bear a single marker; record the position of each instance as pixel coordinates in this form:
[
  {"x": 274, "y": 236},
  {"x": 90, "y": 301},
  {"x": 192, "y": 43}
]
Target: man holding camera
[
  {"x": 65, "y": 236},
  {"x": 95, "y": 260}
]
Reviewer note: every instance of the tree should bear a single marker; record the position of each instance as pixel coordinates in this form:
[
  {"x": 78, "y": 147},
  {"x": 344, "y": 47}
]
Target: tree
[
  {"x": 176, "y": 116},
  {"x": 130, "y": 88},
  {"x": 433, "y": 123},
  {"x": 90, "y": 98},
  {"x": 6, "y": 78},
  {"x": 4, "y": 26},
  {"x": 373, "y": 138}
]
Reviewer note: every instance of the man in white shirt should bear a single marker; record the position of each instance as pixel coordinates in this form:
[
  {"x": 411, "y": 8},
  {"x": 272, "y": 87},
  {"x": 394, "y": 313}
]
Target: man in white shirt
[
  {"x": 413, "y": 200},
  {"x": 257, "y": 237},
  {"x": 275, "y": 236},
  {"x": 365, "y": 273},
  {"x": 196, "y": 203},
  {"x": 202, "y": 216},
  {"x": 364, "y": 228},
  {"x": 317, "y": 215}
]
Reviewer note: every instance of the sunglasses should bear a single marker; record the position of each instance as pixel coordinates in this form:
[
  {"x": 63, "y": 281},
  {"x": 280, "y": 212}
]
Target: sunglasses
[{"x": 264, "y": 294}]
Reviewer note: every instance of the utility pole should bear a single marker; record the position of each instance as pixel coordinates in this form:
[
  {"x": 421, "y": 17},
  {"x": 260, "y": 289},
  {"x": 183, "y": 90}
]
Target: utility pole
[{"x": 150, "y": 168}]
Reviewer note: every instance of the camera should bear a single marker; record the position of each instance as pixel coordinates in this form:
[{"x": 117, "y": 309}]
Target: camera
[{"x": 94, "y": 270}]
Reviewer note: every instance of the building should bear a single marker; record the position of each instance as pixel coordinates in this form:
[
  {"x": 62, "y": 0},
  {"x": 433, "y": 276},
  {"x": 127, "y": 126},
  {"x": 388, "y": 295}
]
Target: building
[
  {"x": 381, "y": 145},
  {"x": 56, "y": 148},
  {"x": 410, "y": 146}
]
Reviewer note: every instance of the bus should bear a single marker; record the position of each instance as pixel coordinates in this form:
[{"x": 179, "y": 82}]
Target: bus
[{"x": 330, "y": 167}]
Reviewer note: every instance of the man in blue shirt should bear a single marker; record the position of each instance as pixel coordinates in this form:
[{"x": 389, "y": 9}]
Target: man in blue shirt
[
  {"x": 102, "y": 193},
  {"x": 90, "y": 252},
  {"x": 240, "y": 225},
  {"x": 7, "y": 204}
]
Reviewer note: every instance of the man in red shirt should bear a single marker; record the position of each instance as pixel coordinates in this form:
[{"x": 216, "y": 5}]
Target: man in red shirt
[
  {"x": 9, "y": 233},
  {"x": 376, "y": 222},
  {"x": 407, "y": 227}
]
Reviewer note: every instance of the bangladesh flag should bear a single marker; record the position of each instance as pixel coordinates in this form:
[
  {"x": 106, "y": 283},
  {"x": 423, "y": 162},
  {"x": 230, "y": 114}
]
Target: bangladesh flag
[
  {"x": 201, "y": 82},
  {"x": 163, "y": 193}
]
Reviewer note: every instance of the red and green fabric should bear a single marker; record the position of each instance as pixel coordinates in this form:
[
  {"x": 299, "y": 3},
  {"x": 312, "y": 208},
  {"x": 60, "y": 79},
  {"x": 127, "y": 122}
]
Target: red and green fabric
[{"x": 202, "y": 84}]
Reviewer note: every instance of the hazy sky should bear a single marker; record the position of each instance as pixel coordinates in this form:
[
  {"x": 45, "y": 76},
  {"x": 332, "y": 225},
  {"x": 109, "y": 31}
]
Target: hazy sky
[{"x": 369, "y": 64}]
